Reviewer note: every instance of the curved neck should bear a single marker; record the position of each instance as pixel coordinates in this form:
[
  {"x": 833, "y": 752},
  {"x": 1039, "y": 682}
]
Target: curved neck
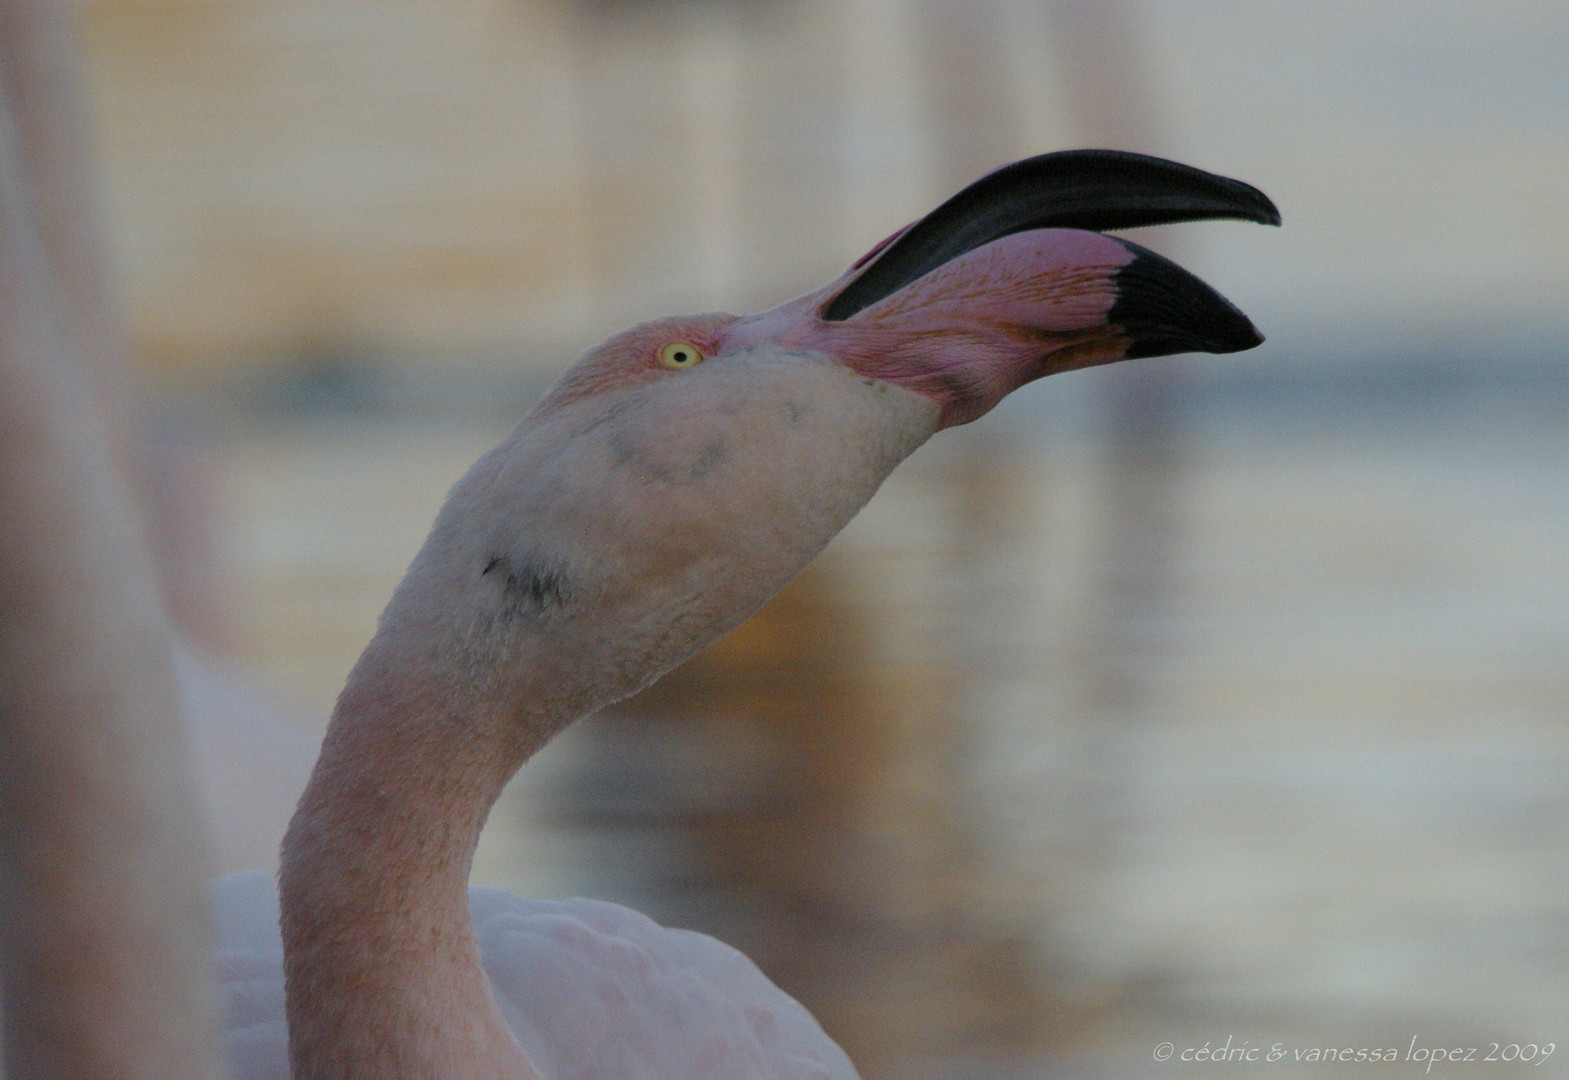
[
  {"x": 102, "y": 915},
  {"x": 382, "y": 968},
  {"x": 558, "y": 577}
]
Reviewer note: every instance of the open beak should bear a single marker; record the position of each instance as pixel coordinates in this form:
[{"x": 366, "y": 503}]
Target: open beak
[{"x": 1011, "y": 280}]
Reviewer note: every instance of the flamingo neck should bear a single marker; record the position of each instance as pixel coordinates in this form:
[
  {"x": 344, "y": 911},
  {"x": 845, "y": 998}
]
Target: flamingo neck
[
  {"x": 102, "y": 919},
  {"x": 382, "y": 968},
  {"x": 559, "y": 577}
]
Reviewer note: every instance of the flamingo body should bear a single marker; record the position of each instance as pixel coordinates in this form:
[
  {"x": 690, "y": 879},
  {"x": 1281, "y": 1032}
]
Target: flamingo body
[{"x": 588, "y": 988}]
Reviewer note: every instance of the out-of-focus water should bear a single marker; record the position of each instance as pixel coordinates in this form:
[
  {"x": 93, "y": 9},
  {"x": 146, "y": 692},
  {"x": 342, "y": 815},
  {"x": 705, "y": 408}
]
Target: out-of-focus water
[{"x": 1056, "y": 754}]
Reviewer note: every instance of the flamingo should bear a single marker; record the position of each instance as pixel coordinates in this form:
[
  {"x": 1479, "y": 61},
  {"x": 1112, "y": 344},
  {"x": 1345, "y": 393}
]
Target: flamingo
[
  {"x": 102, "y": 909},
  {"x": 251, "y": 757},
  {"x": 665, "y": 487}
]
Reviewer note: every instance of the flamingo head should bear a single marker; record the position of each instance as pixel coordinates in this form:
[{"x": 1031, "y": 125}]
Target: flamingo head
[
  {"x": 1010, "y": 280},
  {"x": 680, "y": 473}
]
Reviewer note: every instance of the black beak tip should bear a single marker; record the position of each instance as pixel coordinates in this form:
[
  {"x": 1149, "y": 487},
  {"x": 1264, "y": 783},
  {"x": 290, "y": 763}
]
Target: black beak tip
[
  {"x": 1268, "y": 212},
  {"x": 1247, "y": 337},
  {"x": 1165, "y": 310},
  {"x": 1239, "y": 337}
]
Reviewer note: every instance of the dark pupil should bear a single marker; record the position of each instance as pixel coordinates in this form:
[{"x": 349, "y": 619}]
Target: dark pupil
[{"x": 680, "y": 356}]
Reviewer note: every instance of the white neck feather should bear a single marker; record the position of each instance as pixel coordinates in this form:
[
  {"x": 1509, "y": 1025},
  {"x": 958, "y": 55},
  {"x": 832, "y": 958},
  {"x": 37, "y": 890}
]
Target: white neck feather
[{"x": 593, "y": 550}]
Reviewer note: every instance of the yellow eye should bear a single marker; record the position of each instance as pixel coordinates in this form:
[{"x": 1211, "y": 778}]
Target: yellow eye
[{"x": 680, "y": 354}]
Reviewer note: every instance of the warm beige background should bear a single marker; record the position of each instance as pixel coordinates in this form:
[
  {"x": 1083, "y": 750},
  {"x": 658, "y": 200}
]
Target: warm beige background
[
  {"x": 1083, "y": 738},
  {"x": 507, "y": 179}
]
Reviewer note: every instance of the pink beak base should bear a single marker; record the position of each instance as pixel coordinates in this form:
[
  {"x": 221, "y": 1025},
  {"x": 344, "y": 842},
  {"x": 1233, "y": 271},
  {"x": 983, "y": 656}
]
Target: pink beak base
[{"x": 1011, "y": 311}]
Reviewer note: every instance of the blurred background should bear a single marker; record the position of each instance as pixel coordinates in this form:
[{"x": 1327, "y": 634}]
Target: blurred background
[{"x": 1196, "y": 699}]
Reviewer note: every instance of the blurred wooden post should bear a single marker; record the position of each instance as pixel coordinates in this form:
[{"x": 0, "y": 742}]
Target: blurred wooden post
[
  {"x": 41, "y": 81},
  {"x": 104, "y": 947},
  {"x": 1111, "y": 103},
  {"x": 40, "y": 76}
]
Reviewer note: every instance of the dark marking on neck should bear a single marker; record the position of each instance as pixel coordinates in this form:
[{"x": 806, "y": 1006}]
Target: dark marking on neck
[
  {"x": 714, "y": 454},
  {"x": 630, "y": 453},
  {"x": 530, "y": 585}
]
